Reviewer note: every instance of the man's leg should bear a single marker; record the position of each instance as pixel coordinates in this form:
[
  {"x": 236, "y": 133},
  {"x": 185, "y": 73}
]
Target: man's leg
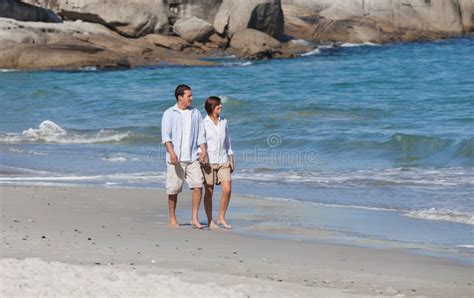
[
  {"x": 194, "y": 179},
  {"x": 197, "y": 192},
  {"x": 174, "y": 185},
  {"x": 172, "y": 201}
]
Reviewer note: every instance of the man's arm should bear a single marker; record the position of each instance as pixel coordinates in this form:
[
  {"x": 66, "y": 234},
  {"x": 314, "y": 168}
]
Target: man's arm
[
  {"x": 166, "y": 138},
  {"x": 202, "y": 140},
  {"x": 170, "y": 149}
]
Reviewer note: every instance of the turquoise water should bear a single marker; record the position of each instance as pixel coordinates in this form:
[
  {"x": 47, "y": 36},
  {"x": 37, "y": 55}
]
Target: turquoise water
[{"x": 384, "y": 127}]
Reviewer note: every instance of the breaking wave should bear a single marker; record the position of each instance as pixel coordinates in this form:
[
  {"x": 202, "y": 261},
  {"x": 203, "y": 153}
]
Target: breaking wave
[{"x": 50, "y": 132}]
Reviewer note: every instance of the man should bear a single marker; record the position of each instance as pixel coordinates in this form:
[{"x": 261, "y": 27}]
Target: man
[{"x": 182, "y": 132}]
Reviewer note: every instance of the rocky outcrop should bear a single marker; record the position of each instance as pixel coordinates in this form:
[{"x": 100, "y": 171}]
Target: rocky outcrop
[
  {"x": 24, "y": 12},
  {"x": 193, "y": 29},
  {"x": 253, "y": 44},
  {"x": 467, "y": 14},
  {"x": 49, "y": 4},
  {"x": 78, "y": 44},
  {"x": 262, "y": 15},
  {"x": 377, "y": 21},
  {"x": 131, "y": 18},
  {"x": 32, "y": 56},
  {"x": 166, "y": 41},
  {"x": 184, "y": 9},
  {"x": 119, "y": 33}
]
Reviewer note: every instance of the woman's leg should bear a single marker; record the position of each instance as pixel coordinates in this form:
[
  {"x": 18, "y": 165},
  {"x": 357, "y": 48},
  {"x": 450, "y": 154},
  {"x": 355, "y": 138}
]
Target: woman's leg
[
  {"x": 209, "y": 191},
  {"x": 225, "y": 198}
]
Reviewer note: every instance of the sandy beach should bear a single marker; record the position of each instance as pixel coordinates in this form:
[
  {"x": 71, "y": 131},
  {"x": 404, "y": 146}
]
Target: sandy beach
[{"x": 101, "y": 241}]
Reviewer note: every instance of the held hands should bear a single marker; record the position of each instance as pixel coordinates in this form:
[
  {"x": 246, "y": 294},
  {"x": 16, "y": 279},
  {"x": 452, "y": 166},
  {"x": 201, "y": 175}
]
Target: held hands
[
  {"x": 231, "y": 163},
  {"x": 173, "y": 158},
  {"x": 203, "y": 157}
]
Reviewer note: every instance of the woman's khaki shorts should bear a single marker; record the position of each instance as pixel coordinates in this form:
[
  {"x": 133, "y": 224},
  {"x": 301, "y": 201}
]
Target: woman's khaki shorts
[
  {"x": 216, "y": 173},
  {"x": 175, "y": 176}
]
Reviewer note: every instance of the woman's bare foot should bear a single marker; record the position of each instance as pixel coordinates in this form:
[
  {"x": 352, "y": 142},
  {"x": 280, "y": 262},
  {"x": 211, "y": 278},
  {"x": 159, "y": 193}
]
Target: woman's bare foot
[
  {"x": 213, "y": 226},
  {"x": 225, "y": 224},
  {"x": 196, "y": 224}
]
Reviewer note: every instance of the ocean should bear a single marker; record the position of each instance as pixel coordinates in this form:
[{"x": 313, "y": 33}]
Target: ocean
[{"x": 372, "y": 127}]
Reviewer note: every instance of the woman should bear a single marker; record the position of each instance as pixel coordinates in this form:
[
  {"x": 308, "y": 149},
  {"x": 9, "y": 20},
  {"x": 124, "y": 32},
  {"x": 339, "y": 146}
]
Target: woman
[{"x": 221, "y": 161}]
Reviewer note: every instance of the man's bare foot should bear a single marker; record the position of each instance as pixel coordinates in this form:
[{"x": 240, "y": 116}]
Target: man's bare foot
[
  {"x": 225, "y": 224},
  {"x": 196, "y": 224},
  {"x": 213, "y": 226},
  {"x": 173, "y": 225}
]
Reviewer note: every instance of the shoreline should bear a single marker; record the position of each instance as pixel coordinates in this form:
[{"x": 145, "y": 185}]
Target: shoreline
[
  {"x": 86, "y": 226},
  {"x": 207, "y": 59},
  {"x": 339, "y": 224}
]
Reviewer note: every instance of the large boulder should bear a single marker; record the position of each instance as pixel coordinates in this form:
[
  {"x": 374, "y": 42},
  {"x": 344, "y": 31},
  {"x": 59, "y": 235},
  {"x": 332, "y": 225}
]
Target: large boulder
[
  {"x": 166, "y": 41},
  {"x": 378, "y": 21},
  {"x": 467, "y": 14},
  {"x": 184, "y": 9},
  {"x": 18, "y": 10},
  {"x": 254, "y": 44},
  {"x": 49, "y": 4},
  {"x": 131, "y": 18},
  {"x": 46, "y": 56},
  {"x": 193, "y": 29},
  {"x": 262, "y": 15},
  {"x": 68, "y": 42}
]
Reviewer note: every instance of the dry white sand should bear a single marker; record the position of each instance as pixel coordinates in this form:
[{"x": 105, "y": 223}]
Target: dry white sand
[{"x": 115, "y": 242}]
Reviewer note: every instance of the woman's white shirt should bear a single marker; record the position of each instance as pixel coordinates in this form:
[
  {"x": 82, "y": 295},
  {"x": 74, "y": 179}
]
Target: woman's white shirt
[{"x": 217, "y": 139}]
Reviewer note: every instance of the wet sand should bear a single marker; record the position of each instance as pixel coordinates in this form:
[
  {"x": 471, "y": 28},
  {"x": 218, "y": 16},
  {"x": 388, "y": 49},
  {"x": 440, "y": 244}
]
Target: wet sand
[{"x": 96, "y": 232}]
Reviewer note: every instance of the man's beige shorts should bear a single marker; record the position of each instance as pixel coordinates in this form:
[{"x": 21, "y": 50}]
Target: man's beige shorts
[
  {"x": 175, "y": 176},
  {"x": 216, "y": 173}
]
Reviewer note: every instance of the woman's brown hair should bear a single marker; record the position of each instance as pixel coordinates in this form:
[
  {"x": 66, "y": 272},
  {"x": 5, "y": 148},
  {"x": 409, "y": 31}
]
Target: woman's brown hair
[{"x": 211, "y": 103}]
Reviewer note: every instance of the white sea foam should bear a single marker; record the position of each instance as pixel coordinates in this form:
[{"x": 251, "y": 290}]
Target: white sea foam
[
  {"x": 444, "y": 215},
  {"x": 323, "y": 204},
  {"x": 465, "y": 245},
  {"x": 316, "y": 51},
  {"x": 328, "y": 46},
  {"x": 351, "y": 45},
  {"x": 398, "y": 176},
  {"x": 35, "y": 277},
  {"x": 17, "y": 150},
  {"x": 119, "y": 157},
  {"x": 430, "y": 214},
  {"x": 239, "y": 63},
  {"x": 50, "y": 132},
  {"x": 302, "y": 42},
  {"x": 152, "y": 177},
  {"x": 88, "y": 68},
  {"x": 7, "y": 70}
]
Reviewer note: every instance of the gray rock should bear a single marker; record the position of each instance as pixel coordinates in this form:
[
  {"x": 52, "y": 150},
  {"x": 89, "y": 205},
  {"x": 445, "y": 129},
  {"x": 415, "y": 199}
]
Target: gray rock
[
  {"x": 131, "y": 18},
  {"x": 24, "y": 12},
  {"x": 166, "y": 41},
  {"x": 262, "y": 15},
  {"x": 49, "y": 4},
  {"x": 254, "y": 44},
  {"x": 184, "y": 9},
  {"x": 219, "y": 41},
  {"x": 22, "y": 36},
  {"x": 193, "y": 29},
  {"x": 467, "y": 15},
  {"x": 47, "y": 56},
  {"x": 378, "y": 21}
]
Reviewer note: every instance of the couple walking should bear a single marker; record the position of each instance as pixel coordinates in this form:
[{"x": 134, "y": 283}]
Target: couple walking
[{"x": 197, "y": 150}]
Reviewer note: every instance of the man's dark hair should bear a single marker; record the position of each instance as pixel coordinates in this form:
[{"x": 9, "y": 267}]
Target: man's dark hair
[
  {"x": 179, "y": 91},
  {"x": 211, "y": 103}
]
